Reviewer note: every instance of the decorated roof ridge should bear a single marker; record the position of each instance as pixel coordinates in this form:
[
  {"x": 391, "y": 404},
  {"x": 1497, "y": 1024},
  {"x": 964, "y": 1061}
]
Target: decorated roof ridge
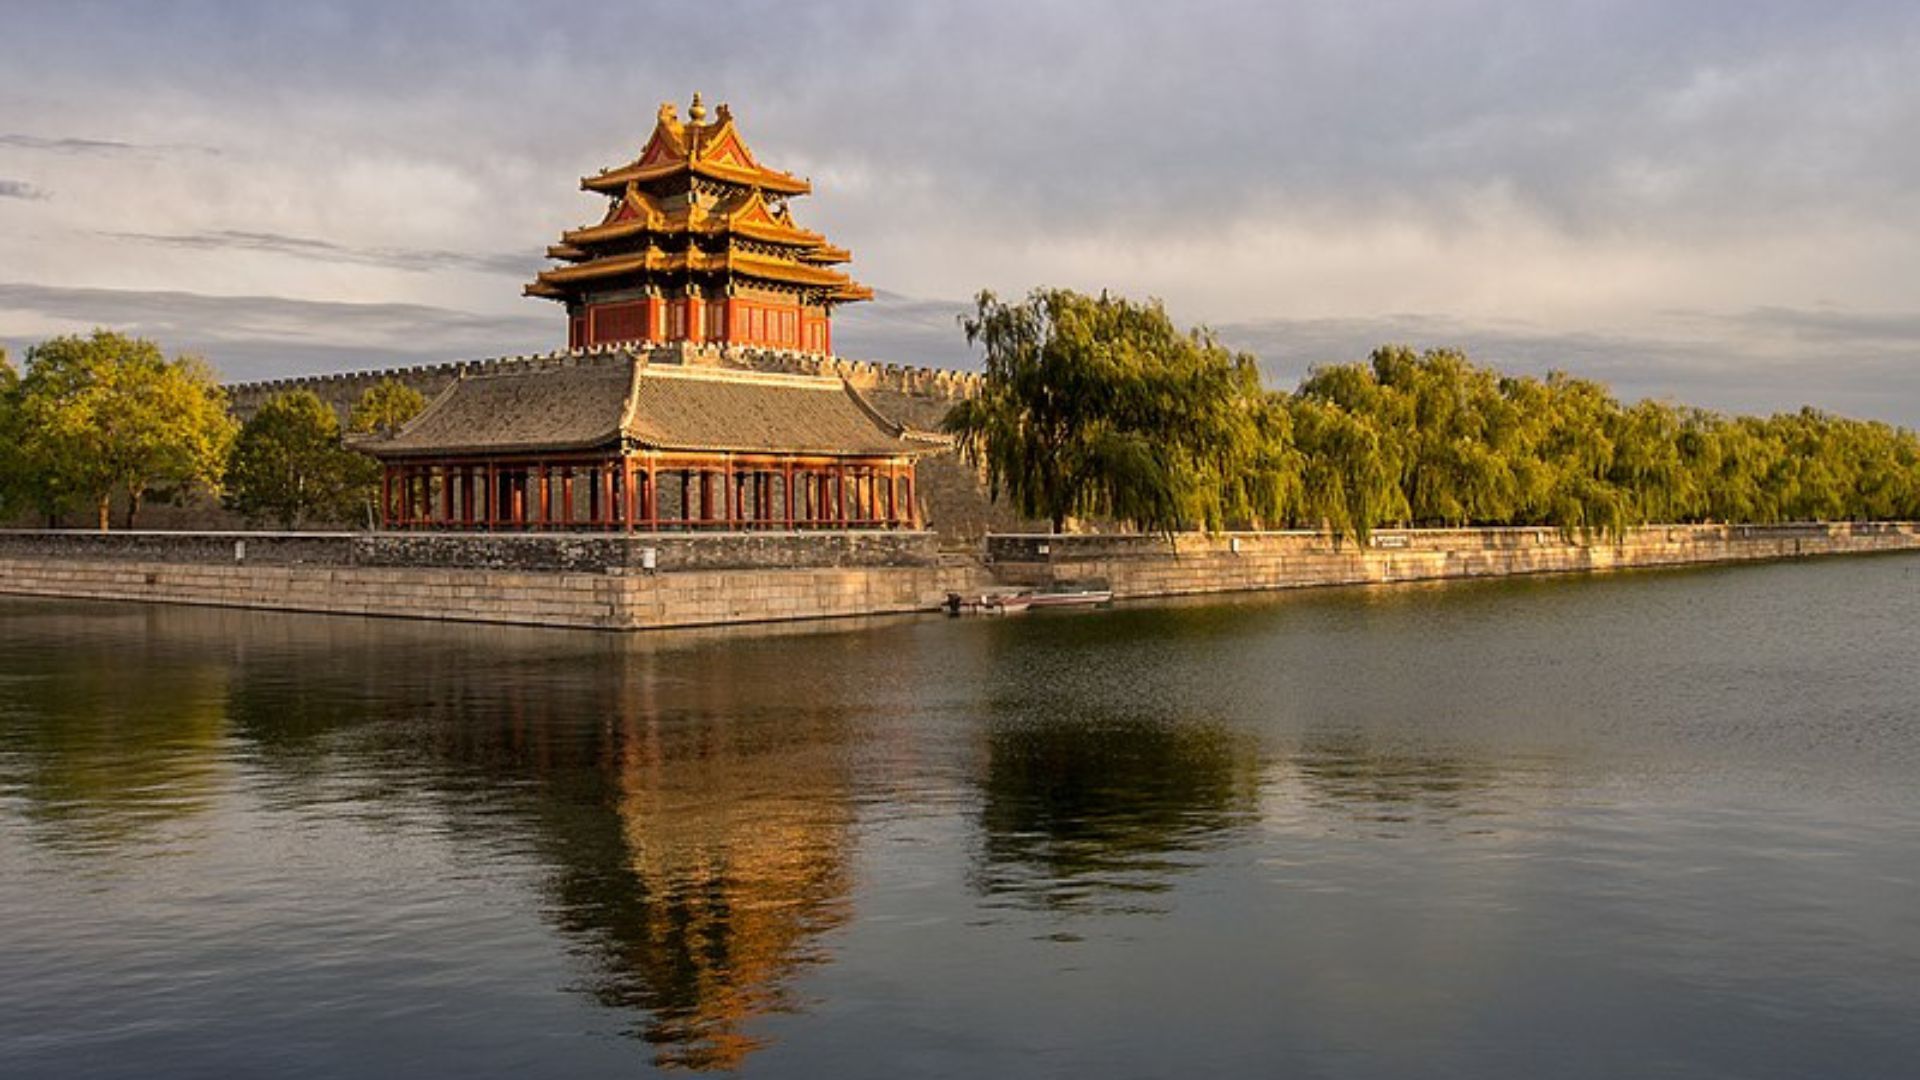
[
  {"x": 747, "y": 213},
  {"x": 716, "y": 150},
  {"x": 745, "y": 262}
]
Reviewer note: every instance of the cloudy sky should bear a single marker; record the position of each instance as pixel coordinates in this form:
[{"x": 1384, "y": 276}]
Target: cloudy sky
[{"x": 1716, "y": 202}]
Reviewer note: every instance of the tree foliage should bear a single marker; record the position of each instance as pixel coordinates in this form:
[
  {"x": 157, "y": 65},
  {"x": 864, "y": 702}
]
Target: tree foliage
[
  {"x": 110, "y": 415},
  {"x": 12, "y": 464},
  {"x": 1099, "y": 407},
  {"x": 288, "y": 465},
  {"x": 384, "y": 407},
  {"x": 1470, "y": 447}
]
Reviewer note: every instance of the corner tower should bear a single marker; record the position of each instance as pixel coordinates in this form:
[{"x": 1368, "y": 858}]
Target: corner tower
[{"x": 698, "y": 245}]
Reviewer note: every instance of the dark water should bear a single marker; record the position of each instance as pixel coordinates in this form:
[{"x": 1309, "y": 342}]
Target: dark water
[{"x": 1641, "y": 825}]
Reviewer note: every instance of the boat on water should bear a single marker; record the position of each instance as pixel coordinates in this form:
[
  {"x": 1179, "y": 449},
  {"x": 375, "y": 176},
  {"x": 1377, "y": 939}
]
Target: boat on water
[
  {"x": 1070, "y": 596},
  {"x": 1011, "y": 602},
  {"x": 988, "y": 603}
]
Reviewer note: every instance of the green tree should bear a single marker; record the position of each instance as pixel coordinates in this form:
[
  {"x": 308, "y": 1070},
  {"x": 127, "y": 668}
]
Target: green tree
[
  {"x": 1351, "y": 472},
  {"x": 1100, "y": 407},
  {"x": 288, "y": 465},
  {"x": 384, "y": 407},
  {"x": 13, "y": 499},
  {"x": 108, "y": 414}
]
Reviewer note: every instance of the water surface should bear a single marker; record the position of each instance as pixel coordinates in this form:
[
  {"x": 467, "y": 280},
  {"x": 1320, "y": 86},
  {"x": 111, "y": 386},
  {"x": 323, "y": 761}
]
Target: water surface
[{"x": 1648, "y": 824}]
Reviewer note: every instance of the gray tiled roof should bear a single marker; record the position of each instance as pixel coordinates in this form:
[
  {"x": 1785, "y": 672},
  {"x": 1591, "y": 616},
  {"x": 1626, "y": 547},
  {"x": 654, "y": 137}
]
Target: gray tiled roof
[
  {"x": 749, "y": 412},
  {"x": 598, "y": 404},
  {"x": 537, "y": 407}
]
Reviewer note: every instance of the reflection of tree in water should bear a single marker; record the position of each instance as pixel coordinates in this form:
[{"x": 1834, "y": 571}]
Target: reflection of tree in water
[
  {"x": 105, "y": 737},
  {"x": 695, "y": 814},
  {"x": 1077, "y": 807}
]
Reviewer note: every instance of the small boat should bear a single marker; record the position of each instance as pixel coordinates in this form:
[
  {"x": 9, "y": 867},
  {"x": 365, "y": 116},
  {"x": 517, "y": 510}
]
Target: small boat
[
  {"x": 989, "y": 603},
  {"x": 1070, "y": 596}
]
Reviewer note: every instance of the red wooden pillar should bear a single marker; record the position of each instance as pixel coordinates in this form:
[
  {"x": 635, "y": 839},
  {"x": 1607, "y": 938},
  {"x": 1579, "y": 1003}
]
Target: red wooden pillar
[
  {"x": 695, "y": 307},
  {"x": 386, "y": 497},
  {"x": 608, "y": 507},
  {"x": 539, "y": 494},
  {"x": 630, "y": 494},
  {"x": 786, "y": 490},
  {"x": 655, "y": 318},
  {"x": 650, "y": 496},
  {"x": 893, "y": 493},
  {"x": 840, "y": 495}
]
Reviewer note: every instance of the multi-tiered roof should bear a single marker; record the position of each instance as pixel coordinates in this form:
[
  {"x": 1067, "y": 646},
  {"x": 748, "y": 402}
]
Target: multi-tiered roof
[{"x": 697, "y": 215}]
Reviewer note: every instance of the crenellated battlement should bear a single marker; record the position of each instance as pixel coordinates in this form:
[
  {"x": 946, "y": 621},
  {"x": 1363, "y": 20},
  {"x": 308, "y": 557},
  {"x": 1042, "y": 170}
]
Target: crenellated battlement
[{"x": 342, "y": 388}]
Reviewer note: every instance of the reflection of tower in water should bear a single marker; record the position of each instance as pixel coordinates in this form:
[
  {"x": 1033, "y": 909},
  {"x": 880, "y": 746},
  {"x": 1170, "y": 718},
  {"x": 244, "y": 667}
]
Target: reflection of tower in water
[
  {"x": 694, "y": 815},
  {"x": 706, "y": 848}
]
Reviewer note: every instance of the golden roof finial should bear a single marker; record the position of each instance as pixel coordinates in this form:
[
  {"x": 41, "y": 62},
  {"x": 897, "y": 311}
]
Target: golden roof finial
[
  {"x": 698, "y": 112},
  {"x": 667, "y": 113},
  {"x": 721, "y": 113}
]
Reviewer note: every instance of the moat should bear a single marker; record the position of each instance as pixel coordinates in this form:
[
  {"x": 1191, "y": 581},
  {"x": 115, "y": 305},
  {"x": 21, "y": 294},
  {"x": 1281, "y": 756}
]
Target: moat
[{"x": 1650, "y": 823}]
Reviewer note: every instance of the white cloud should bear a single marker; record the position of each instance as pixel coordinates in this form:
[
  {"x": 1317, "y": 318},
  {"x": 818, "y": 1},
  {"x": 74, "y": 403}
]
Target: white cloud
[{"x": 1559, "y": 176}]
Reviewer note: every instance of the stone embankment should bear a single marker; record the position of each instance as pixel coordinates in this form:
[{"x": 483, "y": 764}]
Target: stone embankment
[
  {"x": 646, "y": 582},
  {"x": 1141, "y": 566},
  {"x": 597, "y": 581}
]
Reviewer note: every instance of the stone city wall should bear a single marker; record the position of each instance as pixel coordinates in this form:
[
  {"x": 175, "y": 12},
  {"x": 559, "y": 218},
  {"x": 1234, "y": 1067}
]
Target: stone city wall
[
  {"x": 1141, "y": 566},
  {"x": 341, "y": 389}
]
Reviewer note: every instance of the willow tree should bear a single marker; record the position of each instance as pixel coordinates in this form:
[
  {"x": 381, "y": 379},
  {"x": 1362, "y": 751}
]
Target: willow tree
[
  {"x": 110, "y": 415},
  {"x": 1098, "y": 407},
  {"x": 1351, "y": 469}
]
